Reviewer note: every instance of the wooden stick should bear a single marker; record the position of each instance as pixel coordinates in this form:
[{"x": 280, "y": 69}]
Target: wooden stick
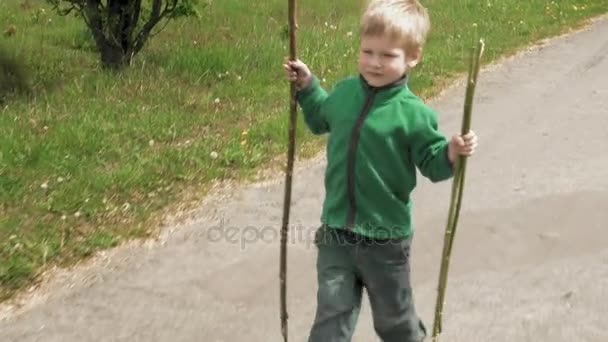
[
  {"x": 457, "y": 190},
  {"x": 288, "y": 172}
]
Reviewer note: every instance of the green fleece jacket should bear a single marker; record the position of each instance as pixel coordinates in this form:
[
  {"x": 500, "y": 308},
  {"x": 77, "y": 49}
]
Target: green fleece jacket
[{"x": 377, "y": 139}]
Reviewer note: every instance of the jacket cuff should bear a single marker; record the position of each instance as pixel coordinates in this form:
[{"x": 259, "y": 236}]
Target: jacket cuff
[
  {"x": 447, "y": 170},
  {"x": 314, "y": 85}
]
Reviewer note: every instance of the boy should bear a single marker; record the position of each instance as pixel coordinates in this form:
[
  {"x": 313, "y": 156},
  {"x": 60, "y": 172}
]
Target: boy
[{"x": 379, "y": 133}]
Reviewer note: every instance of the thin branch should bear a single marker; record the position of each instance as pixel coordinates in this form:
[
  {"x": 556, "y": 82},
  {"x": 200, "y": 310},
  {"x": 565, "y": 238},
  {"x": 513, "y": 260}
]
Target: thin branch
[
  {"x": 457, "y": 192},
  {"x": 91, "y": 13},
  {"x": 288, "y": 175},
  {"x": 155, "y": 17}
]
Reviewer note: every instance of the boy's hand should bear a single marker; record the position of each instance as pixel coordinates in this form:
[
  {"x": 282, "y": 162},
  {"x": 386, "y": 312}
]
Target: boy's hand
[
  {"x": 462, "y": 145},
  {"x": 298, "y": 72}
]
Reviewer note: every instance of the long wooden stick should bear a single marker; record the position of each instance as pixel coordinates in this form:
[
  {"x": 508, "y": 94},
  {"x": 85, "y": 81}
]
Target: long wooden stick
[
  {"x": 288, "y": 172},
  {"x": 457, "y": 190}
]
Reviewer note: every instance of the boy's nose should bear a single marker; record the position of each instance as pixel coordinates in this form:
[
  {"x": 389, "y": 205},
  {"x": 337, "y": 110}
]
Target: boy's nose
[{"x": 375, "y": 62}]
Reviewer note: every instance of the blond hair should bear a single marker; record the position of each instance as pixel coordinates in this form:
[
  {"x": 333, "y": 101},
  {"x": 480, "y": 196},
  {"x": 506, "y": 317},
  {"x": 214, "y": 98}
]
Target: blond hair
[{"x": 406, "y": 21}]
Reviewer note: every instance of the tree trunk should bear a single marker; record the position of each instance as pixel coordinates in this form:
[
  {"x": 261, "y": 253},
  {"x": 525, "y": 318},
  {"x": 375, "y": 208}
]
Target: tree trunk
[
  {"x": 117, "y": 45},
  {"x": 114, "y": 57}
]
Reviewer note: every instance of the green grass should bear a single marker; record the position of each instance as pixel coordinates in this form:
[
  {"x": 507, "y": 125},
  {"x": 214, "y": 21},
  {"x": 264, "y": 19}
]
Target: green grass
[{"x": 90, "y": 158}]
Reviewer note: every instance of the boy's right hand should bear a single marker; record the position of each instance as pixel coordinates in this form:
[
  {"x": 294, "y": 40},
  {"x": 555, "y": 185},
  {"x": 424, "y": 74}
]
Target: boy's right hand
[{"x": 299, "y": 73}]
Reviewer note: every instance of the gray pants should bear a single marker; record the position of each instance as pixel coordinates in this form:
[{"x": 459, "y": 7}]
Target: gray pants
[{"x": 346, "y": 264}]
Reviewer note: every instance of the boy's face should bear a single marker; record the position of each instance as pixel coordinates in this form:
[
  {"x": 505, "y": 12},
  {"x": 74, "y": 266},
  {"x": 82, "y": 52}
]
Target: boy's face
[{"x": 381, "y": 60}]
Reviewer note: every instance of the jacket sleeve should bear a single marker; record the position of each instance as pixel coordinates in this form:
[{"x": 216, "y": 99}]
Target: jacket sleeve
[
  {"x": 430, "y": 149},
  {"x": 312, "y": 100}
]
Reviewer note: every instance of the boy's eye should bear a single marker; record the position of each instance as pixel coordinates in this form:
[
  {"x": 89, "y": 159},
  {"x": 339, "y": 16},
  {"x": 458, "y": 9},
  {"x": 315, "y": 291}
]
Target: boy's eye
[
  {"x": 390, "y": 55},
  {"x": 367, "y": 52}
]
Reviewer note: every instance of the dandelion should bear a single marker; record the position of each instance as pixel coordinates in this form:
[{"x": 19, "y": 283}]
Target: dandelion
[
  {"x": 77, "y": 214},
  {"x": 349, "y": 33},
  {"x": 151, "y": 142},
  {"x": 213, "y": 155},
  {"x": 216, "y": 101},
  {"x": 44, "y": 185},
  {"x": 60, "y": 179}
]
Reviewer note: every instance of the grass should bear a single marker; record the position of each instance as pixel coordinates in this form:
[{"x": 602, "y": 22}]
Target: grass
[{"x": 90, "y": 159}]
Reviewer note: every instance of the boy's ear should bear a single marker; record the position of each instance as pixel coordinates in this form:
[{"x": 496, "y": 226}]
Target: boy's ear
[{"x": 414, "y": 58}]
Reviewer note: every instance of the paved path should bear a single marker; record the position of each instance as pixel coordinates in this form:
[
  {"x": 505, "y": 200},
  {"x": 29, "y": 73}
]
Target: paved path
[{"x": 530, "y": 261}]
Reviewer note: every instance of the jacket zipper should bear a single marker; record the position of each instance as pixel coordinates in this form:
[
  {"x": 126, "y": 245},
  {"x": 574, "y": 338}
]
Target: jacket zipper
[{"x": 352, "y": 156}]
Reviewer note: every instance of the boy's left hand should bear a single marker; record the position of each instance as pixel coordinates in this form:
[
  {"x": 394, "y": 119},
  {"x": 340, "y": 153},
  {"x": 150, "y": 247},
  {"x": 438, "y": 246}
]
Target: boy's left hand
[{"x": 462, "y": 145}]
